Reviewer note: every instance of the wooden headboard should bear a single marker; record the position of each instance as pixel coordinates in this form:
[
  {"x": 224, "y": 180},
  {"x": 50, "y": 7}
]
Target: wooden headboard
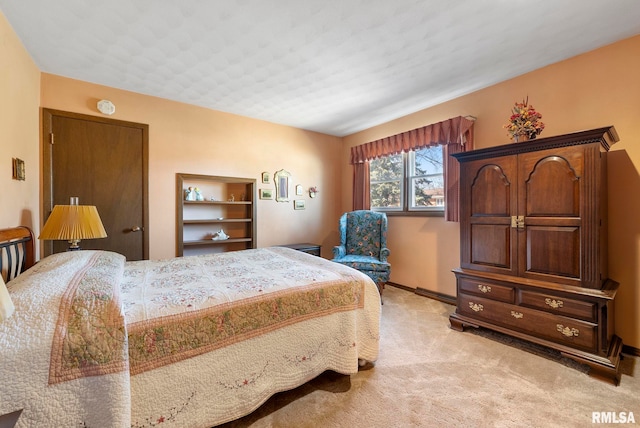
[{"x": 16, "y": 251}]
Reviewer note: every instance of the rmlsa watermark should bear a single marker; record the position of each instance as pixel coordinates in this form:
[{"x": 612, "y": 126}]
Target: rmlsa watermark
[{"x": 612, "y": 418}]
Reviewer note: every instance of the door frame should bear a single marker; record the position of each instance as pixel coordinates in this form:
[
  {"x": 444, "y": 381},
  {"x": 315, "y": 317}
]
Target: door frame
[{"x": 47, "y": 182}]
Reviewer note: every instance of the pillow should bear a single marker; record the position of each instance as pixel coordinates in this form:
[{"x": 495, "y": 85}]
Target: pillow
[{"x": 6, "y": 305}]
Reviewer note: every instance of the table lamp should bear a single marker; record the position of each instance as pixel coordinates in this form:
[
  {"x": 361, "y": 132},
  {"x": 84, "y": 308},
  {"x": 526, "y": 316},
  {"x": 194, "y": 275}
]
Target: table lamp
[{"x": 73, "y": 223}]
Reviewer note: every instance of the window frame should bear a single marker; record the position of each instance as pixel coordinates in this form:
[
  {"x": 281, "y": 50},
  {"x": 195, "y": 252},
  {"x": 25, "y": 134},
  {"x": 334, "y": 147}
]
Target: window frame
[{"x": 406, "y": 210}]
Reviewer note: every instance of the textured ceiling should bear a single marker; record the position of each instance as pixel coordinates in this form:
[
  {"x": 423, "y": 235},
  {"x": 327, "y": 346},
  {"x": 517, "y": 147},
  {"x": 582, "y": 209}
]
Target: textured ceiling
[{"x": 332, "y": 66}]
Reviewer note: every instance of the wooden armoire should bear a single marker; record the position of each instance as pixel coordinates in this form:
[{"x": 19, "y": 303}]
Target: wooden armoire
[{"x": 533, "y": 246}]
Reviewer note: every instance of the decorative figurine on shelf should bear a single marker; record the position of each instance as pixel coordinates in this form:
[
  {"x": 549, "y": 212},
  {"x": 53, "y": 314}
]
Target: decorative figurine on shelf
[
  {"x": 312, "y": 191},
  {"x": 232, "y": 198},
  {"x": 220, "y": 236},
  {"x": 198, "y": 193},
  {"x": 189, "y": 194}
]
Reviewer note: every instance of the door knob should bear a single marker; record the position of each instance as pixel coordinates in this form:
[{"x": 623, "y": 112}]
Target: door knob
[{"x": 136, "y": 229}]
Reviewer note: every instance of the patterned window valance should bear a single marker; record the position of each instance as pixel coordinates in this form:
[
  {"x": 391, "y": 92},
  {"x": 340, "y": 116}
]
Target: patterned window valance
[{"x": 458, "y": 130}]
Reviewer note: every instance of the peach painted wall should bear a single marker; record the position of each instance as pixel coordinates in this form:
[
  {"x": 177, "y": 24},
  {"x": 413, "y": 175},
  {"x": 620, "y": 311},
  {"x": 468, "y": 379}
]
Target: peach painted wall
[
  {"x": 596, "y": 89},
  {"x": 188, "y": 139},
  {"x": 19, "y": 124}
]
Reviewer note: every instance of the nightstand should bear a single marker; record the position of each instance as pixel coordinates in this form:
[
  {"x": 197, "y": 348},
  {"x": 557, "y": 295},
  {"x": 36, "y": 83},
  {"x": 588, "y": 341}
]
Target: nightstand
[{"x": 312, "y": 249}]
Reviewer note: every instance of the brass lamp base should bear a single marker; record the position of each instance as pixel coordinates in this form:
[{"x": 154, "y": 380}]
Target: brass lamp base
[{"x": 74, "y": 245}]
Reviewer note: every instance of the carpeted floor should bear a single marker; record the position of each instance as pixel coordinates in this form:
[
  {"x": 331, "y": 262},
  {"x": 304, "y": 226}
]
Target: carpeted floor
[{"x": 428, "y": 375}]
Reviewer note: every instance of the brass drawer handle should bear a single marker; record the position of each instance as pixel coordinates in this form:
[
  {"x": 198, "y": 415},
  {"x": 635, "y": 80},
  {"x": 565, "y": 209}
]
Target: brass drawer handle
[
  {"x": 476, "y": 307},
  {"x": 566, "y": 331},
  {"x": 484, "y": 288},
  {"x": 555, "y": 304},
  {"x": 517, "y": 315}
]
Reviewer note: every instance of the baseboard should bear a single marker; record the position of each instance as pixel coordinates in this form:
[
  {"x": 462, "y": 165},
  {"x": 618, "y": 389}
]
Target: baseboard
[
  {"x": 630, "y": 350},
  {"x": 444, "y": 298},
  {"x": 400, "y": 286}
]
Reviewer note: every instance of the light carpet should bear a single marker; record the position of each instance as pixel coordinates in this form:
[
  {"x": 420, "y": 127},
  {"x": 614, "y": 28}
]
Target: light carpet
[{"x": 429, "y": 375}]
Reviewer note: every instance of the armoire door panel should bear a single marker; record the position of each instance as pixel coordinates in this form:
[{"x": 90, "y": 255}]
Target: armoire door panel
[
  {"x": 490, "y": 200},
  {"x": 552, "y": 189},
  {"x": 549, "y": 196},
  {"x": 490, "y": 245},
  {"x": 553, "y": 251},
  {"x": 491, "y": 180}
]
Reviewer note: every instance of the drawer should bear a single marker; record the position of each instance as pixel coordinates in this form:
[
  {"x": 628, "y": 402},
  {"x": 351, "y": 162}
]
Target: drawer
[
  {"x": 488, "y": 289},
  {"x": 558, "y": 329},
  {"x": 559, "y": 305}
]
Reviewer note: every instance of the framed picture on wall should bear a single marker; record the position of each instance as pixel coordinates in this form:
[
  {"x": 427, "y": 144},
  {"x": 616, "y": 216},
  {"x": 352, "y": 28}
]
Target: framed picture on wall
[
  {"x": 266, "y": 194},
  {"x": 18, "y": 169},
  {"x": 298, "y": 204},
  {"x": 265, "y": 178},
  {"x": 299, "y": 190}
]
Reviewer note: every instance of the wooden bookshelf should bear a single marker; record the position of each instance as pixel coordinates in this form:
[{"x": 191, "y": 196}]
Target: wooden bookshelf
[{"x": 228, "y": 204}]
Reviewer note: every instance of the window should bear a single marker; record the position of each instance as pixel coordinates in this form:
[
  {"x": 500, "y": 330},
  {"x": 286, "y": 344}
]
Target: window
[
  {"x": 408, "y": 182},
  {"x": 386, "y": 176}
]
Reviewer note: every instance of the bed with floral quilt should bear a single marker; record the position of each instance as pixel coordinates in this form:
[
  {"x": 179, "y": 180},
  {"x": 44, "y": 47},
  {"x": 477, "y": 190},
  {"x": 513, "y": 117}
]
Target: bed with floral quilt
[{"x": 194, "y": 341}]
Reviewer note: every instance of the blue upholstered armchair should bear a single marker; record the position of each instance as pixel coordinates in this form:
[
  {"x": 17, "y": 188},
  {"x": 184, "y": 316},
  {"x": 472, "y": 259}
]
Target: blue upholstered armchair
[{"x": 363, "y": 244}]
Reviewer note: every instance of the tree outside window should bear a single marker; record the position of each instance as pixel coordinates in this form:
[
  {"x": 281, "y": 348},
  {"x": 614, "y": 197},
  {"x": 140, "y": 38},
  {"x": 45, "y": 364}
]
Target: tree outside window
[
  {"x": 408, "y": 182},
  {"x": 386, "y": 180}
]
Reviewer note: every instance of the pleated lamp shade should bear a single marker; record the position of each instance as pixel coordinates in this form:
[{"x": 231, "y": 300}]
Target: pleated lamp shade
[
  {"x": 6, "y": 305},
  {"x": 73, "y": 223}
]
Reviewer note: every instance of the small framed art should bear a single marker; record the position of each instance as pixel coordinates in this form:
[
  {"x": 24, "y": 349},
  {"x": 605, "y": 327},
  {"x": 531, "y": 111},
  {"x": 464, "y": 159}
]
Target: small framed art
[
  {"x": 265, "y": 178},
  {"x": 18, "y": 169},
  {"x": 299, "y": 190},
  {"x": 298, "y": 204},
  {"x": 266, "y": 194}
]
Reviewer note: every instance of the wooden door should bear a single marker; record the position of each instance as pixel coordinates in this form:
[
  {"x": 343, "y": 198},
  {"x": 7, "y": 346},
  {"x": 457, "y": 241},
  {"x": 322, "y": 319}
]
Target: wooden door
[
  {"x": 488, "y": 200},
  {"x": 550, "y": 196},
  {"x": 104, "y": 163}
]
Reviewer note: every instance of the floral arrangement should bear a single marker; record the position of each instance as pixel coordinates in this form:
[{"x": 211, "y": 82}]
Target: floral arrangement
[
  {"x": 312, "y": 191},
  {"x": 524, "y": 121}
]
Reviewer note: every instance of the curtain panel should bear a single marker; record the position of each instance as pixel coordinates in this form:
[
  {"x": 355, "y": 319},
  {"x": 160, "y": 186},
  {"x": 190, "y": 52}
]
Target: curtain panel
[
  {"x": 361, "y": 186},
  {"x": 456, "y": 134}
]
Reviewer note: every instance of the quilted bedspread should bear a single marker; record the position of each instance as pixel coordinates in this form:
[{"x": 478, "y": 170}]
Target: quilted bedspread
[
  {"x": 64, "y": 351},
  {"x": 193, "y": 341}
]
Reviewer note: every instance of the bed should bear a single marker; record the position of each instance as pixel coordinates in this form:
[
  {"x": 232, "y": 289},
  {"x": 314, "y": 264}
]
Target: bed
[{"x": 187, "y": 342}]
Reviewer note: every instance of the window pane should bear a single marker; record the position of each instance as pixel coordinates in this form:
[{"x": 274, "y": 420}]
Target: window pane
[
  {"x": 426, "y": 188},
  {"x": 427, "y": 192},
  {"x": 386, "y": 194},
  {"x": 386, "y": 176},
  {"x": 426, "y": 161},
  {"x": 386, "y": 168}
]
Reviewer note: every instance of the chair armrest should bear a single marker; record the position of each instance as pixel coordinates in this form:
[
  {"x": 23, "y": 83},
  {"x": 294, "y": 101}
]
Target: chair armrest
[
  {"x": 384, "y": 253},
  {"x": 339, "y": 251}
]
